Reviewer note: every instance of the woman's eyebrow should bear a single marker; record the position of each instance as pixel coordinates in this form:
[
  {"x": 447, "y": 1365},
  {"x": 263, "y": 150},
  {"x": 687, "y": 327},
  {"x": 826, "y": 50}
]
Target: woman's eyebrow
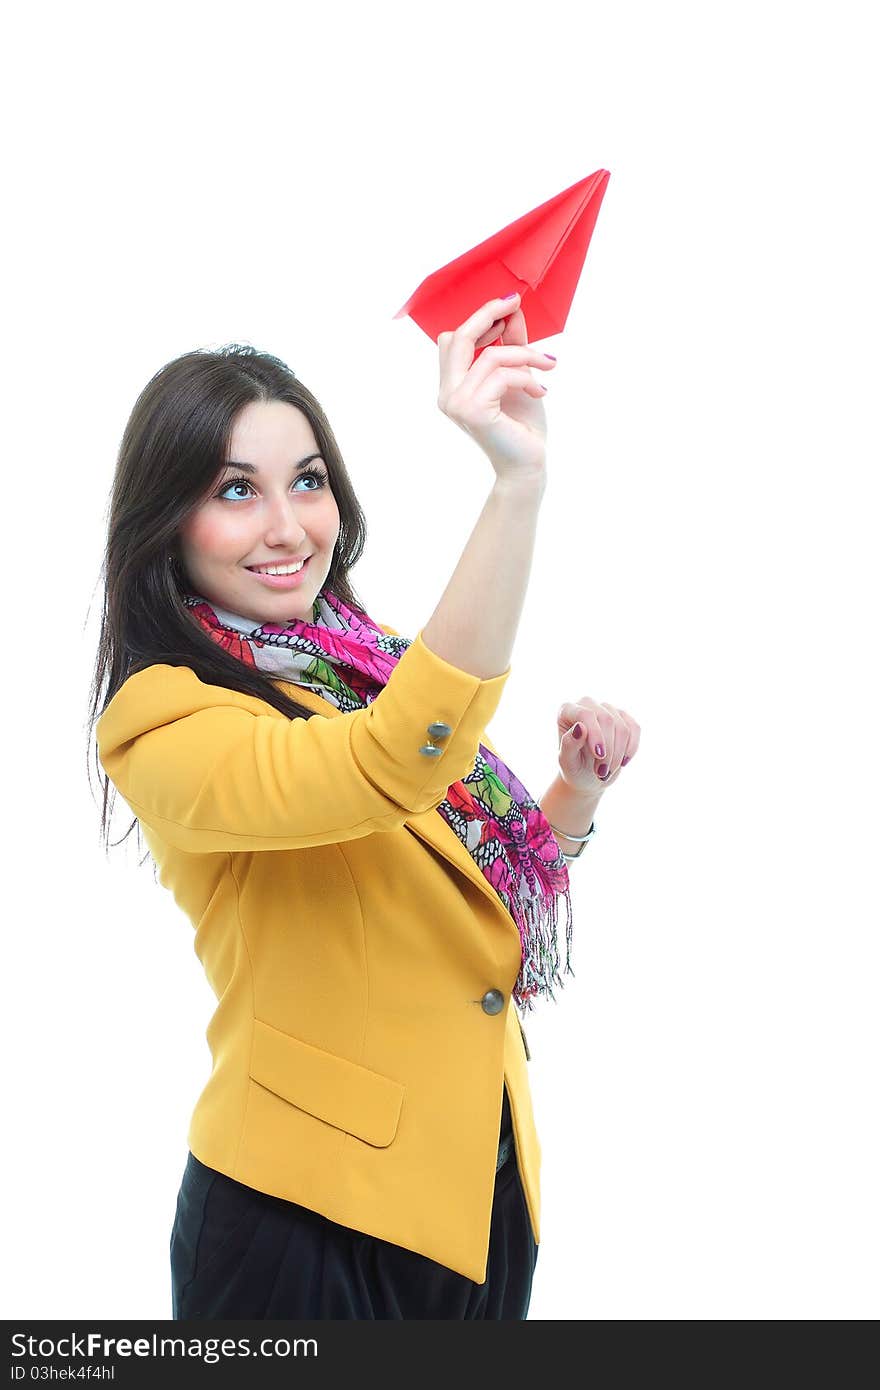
[{"x": 251, "y": 468}]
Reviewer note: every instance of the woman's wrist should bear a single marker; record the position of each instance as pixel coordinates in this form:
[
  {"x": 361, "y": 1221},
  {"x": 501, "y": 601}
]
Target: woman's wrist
[
  {"x": 567, "y": 809},
  {"x": 531, "y": 481}
]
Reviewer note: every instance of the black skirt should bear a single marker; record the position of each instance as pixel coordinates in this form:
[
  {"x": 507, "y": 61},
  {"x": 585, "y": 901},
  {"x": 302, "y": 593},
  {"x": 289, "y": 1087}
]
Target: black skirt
[{"x": 240, "y": 1253}]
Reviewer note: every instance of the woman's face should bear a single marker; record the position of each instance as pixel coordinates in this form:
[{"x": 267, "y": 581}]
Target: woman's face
[{"x": 280, "y": 509}]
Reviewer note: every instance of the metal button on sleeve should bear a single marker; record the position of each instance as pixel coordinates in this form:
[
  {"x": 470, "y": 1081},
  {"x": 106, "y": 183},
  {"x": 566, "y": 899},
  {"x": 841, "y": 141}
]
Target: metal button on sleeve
[
  {"x": 492, "y": 1001},
  {"x": 436, "y": 730}
]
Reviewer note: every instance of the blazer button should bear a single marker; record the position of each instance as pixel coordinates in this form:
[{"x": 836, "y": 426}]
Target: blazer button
[
  {"x": 492, "y": 1001},
  {"x": 430, "y": 751},
  {"x": 439, "y": 730}
]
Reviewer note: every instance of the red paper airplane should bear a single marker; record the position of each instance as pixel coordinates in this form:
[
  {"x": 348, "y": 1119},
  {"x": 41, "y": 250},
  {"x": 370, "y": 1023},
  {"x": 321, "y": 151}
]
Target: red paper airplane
[{"x": 541, "y": 255}]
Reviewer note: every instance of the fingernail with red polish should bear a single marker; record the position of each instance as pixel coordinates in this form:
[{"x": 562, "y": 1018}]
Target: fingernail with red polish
[
  {"x": 600, "y": 751},
  {"x": 624, "y": 761},
  {"x": 602, "y": 770},
  {"x": 577, "y": 730}
]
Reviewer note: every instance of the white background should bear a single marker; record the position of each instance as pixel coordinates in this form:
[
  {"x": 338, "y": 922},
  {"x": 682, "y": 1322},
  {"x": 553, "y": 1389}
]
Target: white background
[{"x": 185, "y": 175}]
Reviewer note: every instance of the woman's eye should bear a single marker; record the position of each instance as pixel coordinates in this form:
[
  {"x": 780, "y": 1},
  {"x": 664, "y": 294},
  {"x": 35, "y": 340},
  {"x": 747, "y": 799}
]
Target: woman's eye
[
  {"x": 228, "y": 487},
  {"x": 313, "y": 474}
]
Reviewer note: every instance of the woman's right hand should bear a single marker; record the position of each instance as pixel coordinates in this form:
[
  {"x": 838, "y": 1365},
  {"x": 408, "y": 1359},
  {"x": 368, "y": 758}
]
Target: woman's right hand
[{"x": 496, "y": 400}]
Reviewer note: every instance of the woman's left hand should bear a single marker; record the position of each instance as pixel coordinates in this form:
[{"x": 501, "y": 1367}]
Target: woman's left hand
[{"x": 609, "y": 739}]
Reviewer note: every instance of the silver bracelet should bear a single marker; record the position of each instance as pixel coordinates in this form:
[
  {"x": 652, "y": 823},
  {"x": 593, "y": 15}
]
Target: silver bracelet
[{"x": 579, "y": 839}]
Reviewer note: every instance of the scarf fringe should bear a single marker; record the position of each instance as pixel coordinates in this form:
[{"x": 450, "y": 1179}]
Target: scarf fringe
[{"x": 537, "y": 923}]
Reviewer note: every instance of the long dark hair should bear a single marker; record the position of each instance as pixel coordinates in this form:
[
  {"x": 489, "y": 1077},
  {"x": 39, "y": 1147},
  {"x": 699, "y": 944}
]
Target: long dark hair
[{"x": 174, "y": 446}]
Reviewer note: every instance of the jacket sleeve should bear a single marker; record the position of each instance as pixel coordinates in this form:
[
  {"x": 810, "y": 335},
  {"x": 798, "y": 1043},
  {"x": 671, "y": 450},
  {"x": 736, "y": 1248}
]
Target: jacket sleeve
[
  {"x": 484, "y": 736},
  {"x": 210, "y": 771}
]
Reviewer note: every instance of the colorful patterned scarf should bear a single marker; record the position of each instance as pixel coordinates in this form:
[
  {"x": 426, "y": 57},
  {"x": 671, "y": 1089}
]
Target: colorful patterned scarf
[{"x": 344, "y": 657}]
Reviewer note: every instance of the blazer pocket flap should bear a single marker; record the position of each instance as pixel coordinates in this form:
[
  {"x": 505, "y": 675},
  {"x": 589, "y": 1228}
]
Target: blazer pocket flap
[{"x": 342, "y": 1093}]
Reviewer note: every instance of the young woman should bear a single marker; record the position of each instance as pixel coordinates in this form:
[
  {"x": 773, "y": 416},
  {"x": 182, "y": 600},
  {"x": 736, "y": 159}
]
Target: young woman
[{"x": 373, "y": 891}]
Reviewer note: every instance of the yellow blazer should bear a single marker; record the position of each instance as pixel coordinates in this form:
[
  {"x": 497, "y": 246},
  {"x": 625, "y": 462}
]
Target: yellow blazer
[{"x": 355, "y": 949}]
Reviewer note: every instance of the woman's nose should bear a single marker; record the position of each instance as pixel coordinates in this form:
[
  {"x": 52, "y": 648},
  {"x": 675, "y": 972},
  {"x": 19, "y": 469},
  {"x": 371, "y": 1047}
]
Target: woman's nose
[{"x": 283, "y": 519}]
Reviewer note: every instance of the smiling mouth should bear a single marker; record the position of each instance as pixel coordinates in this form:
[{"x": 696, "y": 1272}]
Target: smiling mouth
[{"x": 286, "y": 569}]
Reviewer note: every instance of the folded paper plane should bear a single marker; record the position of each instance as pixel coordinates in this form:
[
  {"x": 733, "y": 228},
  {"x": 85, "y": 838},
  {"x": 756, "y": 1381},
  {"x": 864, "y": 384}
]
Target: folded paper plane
[{"x": 541, "y": 255}]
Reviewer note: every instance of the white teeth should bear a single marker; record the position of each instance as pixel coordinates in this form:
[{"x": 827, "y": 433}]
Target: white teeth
[{"x": 279, "y": 569}]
